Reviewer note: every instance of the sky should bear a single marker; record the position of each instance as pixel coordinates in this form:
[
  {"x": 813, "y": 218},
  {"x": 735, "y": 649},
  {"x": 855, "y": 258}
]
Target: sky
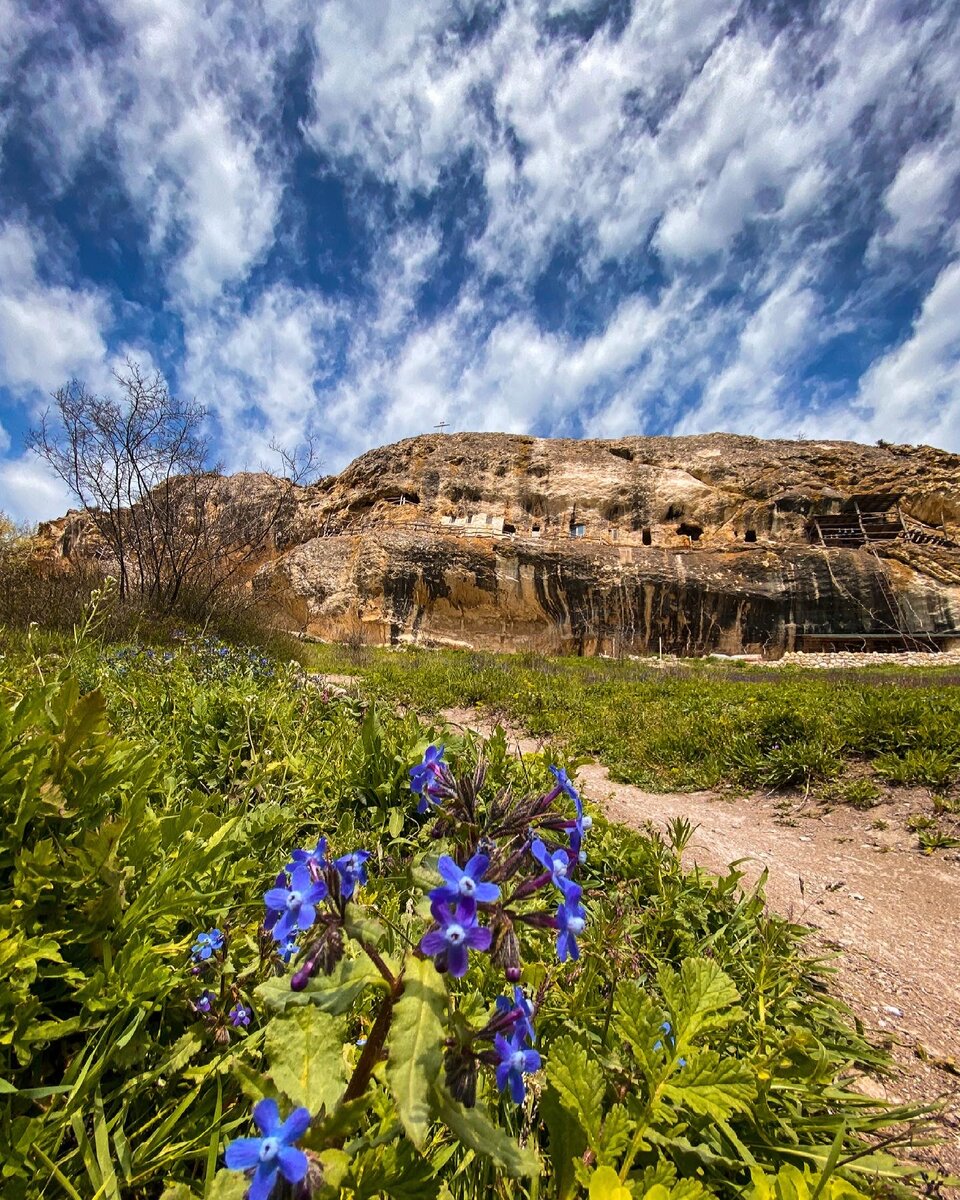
[{"x": 356, "y": 219}]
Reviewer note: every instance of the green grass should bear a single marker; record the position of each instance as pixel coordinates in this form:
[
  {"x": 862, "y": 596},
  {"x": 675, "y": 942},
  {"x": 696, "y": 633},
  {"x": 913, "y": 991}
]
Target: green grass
[
  {"x": 696, "y": 725},
  {"x": 149, "y": 793}
]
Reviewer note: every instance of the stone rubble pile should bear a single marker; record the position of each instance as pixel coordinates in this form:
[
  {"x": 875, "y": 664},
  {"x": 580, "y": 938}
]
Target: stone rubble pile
[{"x": 852, "y": 658}]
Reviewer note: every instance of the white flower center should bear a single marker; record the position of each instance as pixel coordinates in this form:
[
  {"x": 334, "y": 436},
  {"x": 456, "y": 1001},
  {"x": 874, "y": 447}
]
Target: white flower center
[
  {"x": 454, "y": 934},
  {"x": 560, "y": 864},
  {"x": 269, "y": 1148},
  {"x": 575, "y": 925},
  {"x": 467, "y": 886},
  {"x": 294, "y": 900},
  {"x": 517, "y": 1060}
]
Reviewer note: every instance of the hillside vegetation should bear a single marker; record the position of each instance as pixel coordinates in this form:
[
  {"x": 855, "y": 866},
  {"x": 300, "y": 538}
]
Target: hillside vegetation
[{"x": 150, "y": 799}]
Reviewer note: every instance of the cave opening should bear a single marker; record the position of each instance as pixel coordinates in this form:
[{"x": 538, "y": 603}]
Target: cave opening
[
  {"x": 750, "y": 535},
  {"x": 508, "y": 528},
  {"x": 693, "y": 532},
  {"x": 646, "y": 537}
]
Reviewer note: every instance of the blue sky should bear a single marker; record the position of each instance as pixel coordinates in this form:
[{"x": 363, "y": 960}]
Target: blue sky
[{"x": 566, "y": 217}]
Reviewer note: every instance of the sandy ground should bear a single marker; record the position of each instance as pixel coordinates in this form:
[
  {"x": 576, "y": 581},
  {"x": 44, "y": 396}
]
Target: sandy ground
[{"x": 891, "y": 913}]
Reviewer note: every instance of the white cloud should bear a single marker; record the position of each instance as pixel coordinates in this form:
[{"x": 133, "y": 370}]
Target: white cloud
[
  {"x": 31, "y": 492},
  {"x": 912, "y": 394},
  {"x": 48, "y": 332},
  {"x": 263, "y": 373}
]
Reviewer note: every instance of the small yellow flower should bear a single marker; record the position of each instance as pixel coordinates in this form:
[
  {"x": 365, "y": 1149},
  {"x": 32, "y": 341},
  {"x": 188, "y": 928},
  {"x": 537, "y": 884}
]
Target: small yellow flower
[{"x": 605, "y": 1185}]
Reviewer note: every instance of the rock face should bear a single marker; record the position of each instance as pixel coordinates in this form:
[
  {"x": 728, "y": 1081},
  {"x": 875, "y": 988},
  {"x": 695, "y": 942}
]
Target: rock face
[{"x": 690, "y": 544}]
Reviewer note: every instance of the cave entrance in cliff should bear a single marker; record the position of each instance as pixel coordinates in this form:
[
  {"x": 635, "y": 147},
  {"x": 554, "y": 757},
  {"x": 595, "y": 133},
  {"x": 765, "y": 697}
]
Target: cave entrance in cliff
[
  {"x": 693, "y": 532},
  {"x": 750, "y": 535},
  {"x": 646, "y": 537},
  {"x": 508, "y": 528}
]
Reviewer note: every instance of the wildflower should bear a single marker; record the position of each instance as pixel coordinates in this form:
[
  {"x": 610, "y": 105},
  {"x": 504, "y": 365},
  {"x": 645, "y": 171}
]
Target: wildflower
[
  {"x": 465, "y": 886},
  {"x": 317, "y": 857},
  {"x": 571, "y": 920},
  {"x": 206, "y": 945},
  {"x": 204, "y": 1002},
  {"x": 296, "y": 904},
  {"x": 352, "y": 871},
  {"x": 515, "y": 1062},
  {"x": 666, "y": 1029},
  {"x": 458, "y": 932},
  {"x": 429, "y": 778},
  {"x": 558, "y": 864},
  {"x": 274, "y": 1152},
  {"x": 523, "y": 1020},
  {"x": 289, "y": 948},
  {"x": 240, "y": 1015},
  {"x": 564, "y": 784}
]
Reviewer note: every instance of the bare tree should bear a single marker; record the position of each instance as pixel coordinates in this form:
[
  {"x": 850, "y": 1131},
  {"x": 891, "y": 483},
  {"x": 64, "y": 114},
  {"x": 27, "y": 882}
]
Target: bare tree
[{"x": 141, "y": 468}]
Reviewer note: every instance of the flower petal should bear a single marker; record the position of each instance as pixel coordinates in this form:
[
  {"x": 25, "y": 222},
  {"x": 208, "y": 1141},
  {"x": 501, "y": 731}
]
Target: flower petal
[
  {"x": 276, "y": 898},
  {"x": 477, "y": 866},
  {"x": 267, "y": 1117},
  {"x": 457, "y": 960},
  {"x": 306, "y": 916},
  {"x": 486, "y": 893},
  {"x": 243, "y": 1153},
  {"x": 479, "y": 937},
  {"x": 263, "y": 1180},
  {"x": 293, "y": 1163},
  {"x": 295, "y": 1126},
  {"x": 433, "y": 942},
  {"x": 449, "y": 869}
]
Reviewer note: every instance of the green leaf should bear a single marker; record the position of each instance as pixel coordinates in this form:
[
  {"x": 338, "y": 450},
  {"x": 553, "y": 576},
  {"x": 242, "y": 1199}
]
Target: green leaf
[
  {"x": 479, "y": 1134},
  {"x": 567, "y": 1142},
  {"x": 305, "y": 1051},
  {"x": 334, "y": 993},
  {"x": 700, "y": 997},
  {"x": 615, "y": 1135},
  {"x": 580, "y": 1084},
  {"x": 228, "y": 1185},
  {"x": 711, "y": 1086},
  {"x": 639, "y": 1022},
  {"x": 415, "y": 1047}
]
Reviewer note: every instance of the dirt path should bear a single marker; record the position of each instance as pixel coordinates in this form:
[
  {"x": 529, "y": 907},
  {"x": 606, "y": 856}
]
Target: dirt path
[{"x": 858, "y": 879}]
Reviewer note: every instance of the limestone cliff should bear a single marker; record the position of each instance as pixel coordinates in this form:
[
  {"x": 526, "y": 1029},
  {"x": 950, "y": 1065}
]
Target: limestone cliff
[{"x": 712, "y": 542}]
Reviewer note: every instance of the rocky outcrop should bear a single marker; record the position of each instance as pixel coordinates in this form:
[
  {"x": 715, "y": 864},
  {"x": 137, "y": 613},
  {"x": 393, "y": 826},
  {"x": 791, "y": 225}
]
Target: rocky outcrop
[{"x": 690, "y": 544}]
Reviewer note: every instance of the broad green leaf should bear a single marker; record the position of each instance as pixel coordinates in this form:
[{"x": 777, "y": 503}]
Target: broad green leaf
[
  {"x": 334, "y": 993},
  {"x": 567, "y": 1142},
  {"x": 178, "y": 1191},
  {"x": 305, "y": 1052},
  {"x": 700, "y": 997},
  {"x": 580, "y": 1084},
  {"x": 479, "y": 1134},
  {"x": 711, "y": 1086},
  {"x": 639, "y": 1022},
  {"x": 415, "y": 1047},
  {"x": 228, "y": 1185}
]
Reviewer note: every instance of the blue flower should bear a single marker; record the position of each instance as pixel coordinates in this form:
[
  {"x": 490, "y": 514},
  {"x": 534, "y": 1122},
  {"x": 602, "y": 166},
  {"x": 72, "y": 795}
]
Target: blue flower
[
  {"x": 429, "y": 779},
  {"x": 571, "y": 920},
  {"x": 304, "y": 858},
  {"x": 240, "y": 1015},
  {"x": 458, "y": 932},
  {"x": 558, "y": 864},
  {"x": 564, "y": 784},
  {"x": 295, "y": 904},
  {"x": 273, "y": 1153},
  {"x": 666, "y": 1028},
  {"x": 353, "y": 873},
  {"x": 204, "y": 1002},
  {"x": 515, "y": 1062},
  {"x": 465, "y": 886},
  {"x": 523, "y": 1021},
  {"x": 289, "y": 948},
  {"x": 206, "y": 945}
]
